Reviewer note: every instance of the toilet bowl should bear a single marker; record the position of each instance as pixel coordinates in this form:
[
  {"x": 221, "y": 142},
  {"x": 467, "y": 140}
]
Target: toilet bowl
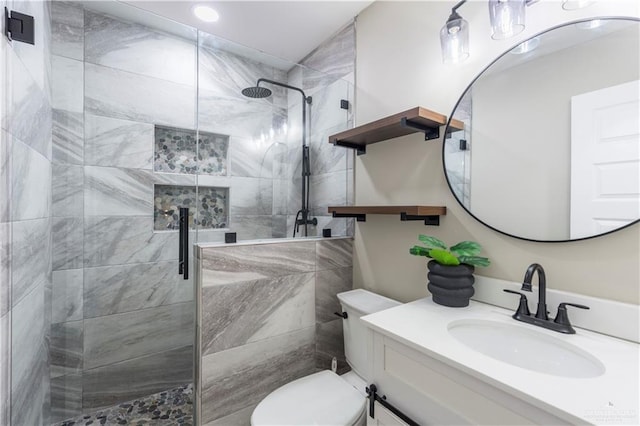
[{"x": 325, "y": 398}]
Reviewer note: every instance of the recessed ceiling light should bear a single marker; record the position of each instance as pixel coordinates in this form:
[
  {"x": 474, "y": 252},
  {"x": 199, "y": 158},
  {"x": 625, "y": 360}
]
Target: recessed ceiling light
[{"x": 205, "y": 13}]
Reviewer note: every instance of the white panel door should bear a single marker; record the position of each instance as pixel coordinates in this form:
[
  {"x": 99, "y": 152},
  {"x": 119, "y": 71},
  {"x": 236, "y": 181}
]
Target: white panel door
[{"x": 605, "y": 159}]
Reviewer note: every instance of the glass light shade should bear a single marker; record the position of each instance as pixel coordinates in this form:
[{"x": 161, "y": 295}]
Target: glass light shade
[
  {"x": 576, "y": 4},
  {"x": 454, "y": 41},
  {"x": 507, "y": 18}
]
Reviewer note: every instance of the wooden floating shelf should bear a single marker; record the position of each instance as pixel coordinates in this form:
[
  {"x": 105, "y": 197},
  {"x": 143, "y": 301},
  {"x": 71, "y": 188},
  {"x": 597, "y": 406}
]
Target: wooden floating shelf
[
  {"x": 429, "y": 214},
  {"x": 417, "y": 119}
]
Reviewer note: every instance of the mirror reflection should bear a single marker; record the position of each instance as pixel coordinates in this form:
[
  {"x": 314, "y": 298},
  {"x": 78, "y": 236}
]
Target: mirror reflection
[{"x": 549, "y": 148}]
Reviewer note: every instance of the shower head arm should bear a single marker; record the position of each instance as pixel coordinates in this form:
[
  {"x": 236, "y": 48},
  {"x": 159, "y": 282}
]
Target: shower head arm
[{"x": 277, "y": 83}]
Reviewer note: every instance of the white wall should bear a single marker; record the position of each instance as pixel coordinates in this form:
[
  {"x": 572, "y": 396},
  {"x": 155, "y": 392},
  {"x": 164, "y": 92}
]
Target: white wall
[{"x": 398, "y": 67}]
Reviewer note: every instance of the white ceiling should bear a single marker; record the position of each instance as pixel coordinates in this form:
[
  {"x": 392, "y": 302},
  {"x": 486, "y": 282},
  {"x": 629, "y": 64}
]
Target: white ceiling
[{"x": 286, "y": 29}]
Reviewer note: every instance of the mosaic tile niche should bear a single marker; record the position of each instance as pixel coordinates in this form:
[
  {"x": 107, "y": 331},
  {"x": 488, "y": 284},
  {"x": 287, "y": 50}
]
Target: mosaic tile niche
[
  {"x": 175, "y": 152},
  {"x": 211, "y": 204}
]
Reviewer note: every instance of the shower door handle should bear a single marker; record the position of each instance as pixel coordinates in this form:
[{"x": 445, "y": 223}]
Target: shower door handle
[{"x": 183, "y": 243}]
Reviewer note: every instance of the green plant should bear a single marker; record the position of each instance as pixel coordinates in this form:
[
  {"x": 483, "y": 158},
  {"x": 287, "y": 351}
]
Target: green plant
[{"x": 464, "y": 252}]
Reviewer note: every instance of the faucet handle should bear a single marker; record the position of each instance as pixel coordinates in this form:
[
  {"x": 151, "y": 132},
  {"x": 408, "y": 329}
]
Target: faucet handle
[
  {"x": 523, "y": 307},
  {"x": 563, "y": 319}
]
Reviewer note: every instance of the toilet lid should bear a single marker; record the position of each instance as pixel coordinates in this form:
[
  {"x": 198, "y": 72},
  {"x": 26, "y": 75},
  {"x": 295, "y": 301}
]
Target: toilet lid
[{"x": 319, "y": 399}]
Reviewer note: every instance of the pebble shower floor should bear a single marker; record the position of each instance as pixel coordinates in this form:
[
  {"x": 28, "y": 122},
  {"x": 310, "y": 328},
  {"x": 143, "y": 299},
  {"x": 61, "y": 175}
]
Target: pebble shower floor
[{"x": 170, "y": 408}]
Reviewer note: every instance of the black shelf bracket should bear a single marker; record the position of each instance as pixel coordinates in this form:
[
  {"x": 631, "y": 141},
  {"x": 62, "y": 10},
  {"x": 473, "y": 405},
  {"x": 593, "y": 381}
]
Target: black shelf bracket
[
  {"x": 19, "y": 27},
  {"x": 360, "y": 217},
  {"x": 429, "y": 132},
  {"x": 360, "y": 149},
  {"x": 430, "y": 220}
]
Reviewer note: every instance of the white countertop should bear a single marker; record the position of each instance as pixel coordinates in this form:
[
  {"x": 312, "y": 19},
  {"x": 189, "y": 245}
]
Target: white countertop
[{"x": 611, "y": 398}]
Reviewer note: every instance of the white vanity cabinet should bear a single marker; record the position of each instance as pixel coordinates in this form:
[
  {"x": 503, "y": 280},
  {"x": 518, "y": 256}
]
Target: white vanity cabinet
[{"x": 431, "y": 392}]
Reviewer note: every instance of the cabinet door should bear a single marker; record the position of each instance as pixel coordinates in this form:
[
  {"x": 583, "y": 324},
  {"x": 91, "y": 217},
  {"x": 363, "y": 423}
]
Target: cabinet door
[{"x": 384, "y": 417}]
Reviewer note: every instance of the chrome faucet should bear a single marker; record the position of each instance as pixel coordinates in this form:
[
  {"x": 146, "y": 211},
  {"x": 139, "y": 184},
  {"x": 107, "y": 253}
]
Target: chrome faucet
[{"x": 561, "y": 323}]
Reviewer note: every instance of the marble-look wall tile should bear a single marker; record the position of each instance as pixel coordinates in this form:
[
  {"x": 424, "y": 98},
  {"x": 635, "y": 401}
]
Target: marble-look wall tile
[
  {"x": 68, "y": 137},
  {"x": 334, "y": 253},
  {"x": 251, "y": 196},
  {"x": 335, "y": 58},
  {"x": 326, "y": 157},
  {"x": 119, "y": 44},
  {"x": 125, "y": 240},
  {"x": 328, "y": 189},
  {"x": 5, "y": 268},
  {"x": 330, "y": 344},
  {"x": 28, "y": 359},
  {"x": 120, "y": 337},
  {"x": 31, "y": 172},
  {"x": 5, "y": 175},
  {"x": 66, "y": 295},
  {"x": 65, "y": 348},
  {"x": 66, "y": 396},
  {"x": 251, "y": 158},
  {"x": 251, "y": 227},
  {"x": 135, "y": 97},
  {"x": 240, "y": 377},
  {"x": 5, "y": 368},
  {"x": 111, "y": 191},
  {"x": 28, "y": 116},
  {"x": 68, "y": 84},
  {"x": 131, "y": 379},
  {"x": 228, "y": 265},
  {"x": 118, "y": 143},
  {"x": 67, "y": 190},
  {"x": 67, "y": 22},
  {"x": 124, "y": 288},
  {"x": 30, "y": 257},
  {"x": 330, "y": 282},
  {"x": 326, "y": 112},
  {"x": 237, "y": 314},
  {"x": 67, "y": 242},
  {"x": 239, "y": 418},
  {"x": 279, "y": 227}
]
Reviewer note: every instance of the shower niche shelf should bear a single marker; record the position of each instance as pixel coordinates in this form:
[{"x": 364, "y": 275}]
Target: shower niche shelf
[
  {"x": 429, "y": 214},
  {"x": 416, "y": 119}
]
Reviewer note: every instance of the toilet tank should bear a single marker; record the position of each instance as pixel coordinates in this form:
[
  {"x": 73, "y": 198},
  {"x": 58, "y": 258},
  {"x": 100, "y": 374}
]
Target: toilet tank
[{"x": 357, "y": 337}]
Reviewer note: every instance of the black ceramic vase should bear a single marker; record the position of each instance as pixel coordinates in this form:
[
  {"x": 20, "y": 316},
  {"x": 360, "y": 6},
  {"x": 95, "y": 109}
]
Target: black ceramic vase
[{"x": 450, "y": 285}]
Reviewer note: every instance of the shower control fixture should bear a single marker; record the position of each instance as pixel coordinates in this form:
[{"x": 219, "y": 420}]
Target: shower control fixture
[{"x": 259, "y": 92}]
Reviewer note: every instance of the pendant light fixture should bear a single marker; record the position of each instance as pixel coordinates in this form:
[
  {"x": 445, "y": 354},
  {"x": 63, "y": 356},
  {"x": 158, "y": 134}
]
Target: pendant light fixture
[
  {"x": 506, "y": 17},
  {"x": 454, "y": 37}
]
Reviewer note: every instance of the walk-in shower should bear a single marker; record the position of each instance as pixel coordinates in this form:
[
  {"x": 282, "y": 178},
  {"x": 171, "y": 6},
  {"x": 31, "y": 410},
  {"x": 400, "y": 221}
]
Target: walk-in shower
[{"x": 302, "y": 216}]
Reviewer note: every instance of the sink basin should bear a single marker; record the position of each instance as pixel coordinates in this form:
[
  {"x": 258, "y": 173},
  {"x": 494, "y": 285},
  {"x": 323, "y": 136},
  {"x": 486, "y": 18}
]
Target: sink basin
[{"x": 526, "y": 348}]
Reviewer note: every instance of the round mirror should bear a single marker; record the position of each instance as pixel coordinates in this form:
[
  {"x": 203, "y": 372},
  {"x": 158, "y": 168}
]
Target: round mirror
[{"x": 544, "y": 145}]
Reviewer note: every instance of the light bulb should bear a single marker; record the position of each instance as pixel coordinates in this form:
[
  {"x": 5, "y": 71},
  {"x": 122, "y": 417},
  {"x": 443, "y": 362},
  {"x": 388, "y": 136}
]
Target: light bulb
[{"x": 205, "y": 13}]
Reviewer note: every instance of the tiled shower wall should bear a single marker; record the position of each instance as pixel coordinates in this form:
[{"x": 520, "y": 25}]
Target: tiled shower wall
[
  {"x": 266, "y": 318},
  {"x": 25, "y": 221}
]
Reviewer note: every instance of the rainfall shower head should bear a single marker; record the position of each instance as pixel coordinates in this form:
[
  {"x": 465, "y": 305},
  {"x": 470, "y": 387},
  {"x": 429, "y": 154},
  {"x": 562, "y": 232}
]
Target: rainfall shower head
[{"x": 256, "y": 92}]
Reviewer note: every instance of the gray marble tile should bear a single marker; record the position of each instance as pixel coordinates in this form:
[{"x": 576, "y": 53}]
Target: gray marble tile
[
  {"x": 120, "y": 94},
  {"x": 251, "y": 158},
  {"x": 334, "y": 253},
  {"x": 325, "y": 111},
  {"x": 30, "y": 178},
  {"x": 68, "y": 137},
  {"x": 125, "y": 240},
  {"x": 328, "y": 189},
  {"x": 279, "y": 227},
  {"x": 67, "y": 243},
  {"x": 66, "y": 397},
  {"x": 239, "y": 418},
  {"x": 28, "y": 116},
  {"x": 28, "y": 359},
  {"x": 5, "y": 175},
  {"x": 30, "y": 257},
  {"x": 139, "y": 49},
  {"x": 67, "y": 27},
  {"x": 340, "y": 227},
  {"x": 66, "y": 348},
  {"x": 326, "y": 157},
  {"x": 330, "y": 344},
  {"x": 240, "y": 377},
  {"x": 5, "y": 268},
  {"x": 67, "y": 191},
  {"x": 119, "y": 337},
  {"x": 111, "y": 191},
  {"x": 68, "y": 84},
  {"x": 330, "y": 282},
  {"x": 236, "y": 314},
  {"x": 123, "y": 288},
  {"x": 131, "y": 379},
  {"x": 251, "y": 227},
  {"x": 251, "y": 196},
  {"x": 5, "y": 369},
  {"x": 334, "y": 57},
  {"x": 118, "y": 143},
  {"x": 227, "y": 265},
  {"x": 66, "y": 295}
]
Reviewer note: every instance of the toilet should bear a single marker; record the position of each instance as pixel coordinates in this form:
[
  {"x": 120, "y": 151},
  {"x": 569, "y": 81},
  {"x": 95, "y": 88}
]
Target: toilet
[{"x": 324, "y": 398}]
